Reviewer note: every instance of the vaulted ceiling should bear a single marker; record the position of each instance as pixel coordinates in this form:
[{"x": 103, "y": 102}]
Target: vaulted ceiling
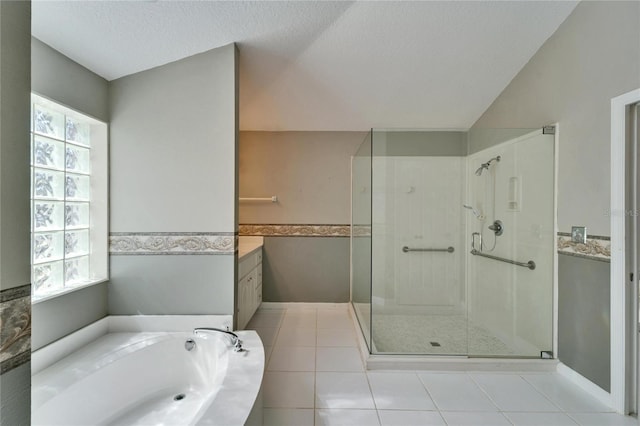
[{"x": 321, "y": 65}]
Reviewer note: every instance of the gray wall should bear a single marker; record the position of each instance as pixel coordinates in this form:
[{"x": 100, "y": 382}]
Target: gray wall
[
  {"x": 56, "y": 77},
  {"x": 15, "y": 396},
  {"x": 15, "y": 224},
  {"x": 591, "y": 58},
  {"x": 584, "y": 317},
  {"x": 419, "y": 143},
  {"x": 57, "y": 317},
  {"x": 66, "y": 82},
  {"x": 173, "y": 168},
  {"x": 310, "y": 172},
  {"x": 15, "y": 86},
  {"x": 311, "y": 269},
  {"x": 171, "y": 285},
  {"x": 479, "y": 139}
]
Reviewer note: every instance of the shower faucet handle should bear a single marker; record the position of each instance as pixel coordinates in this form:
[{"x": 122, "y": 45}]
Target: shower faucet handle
[{"x": 497, "y": 228}]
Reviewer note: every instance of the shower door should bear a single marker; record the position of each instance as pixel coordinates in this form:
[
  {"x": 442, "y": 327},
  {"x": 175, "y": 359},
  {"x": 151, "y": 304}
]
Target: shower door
[{"x": 510, "y": 309}]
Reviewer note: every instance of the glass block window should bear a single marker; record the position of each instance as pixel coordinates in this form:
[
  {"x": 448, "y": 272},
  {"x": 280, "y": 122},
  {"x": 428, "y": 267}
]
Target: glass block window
[{"x": 63, "y": 192}]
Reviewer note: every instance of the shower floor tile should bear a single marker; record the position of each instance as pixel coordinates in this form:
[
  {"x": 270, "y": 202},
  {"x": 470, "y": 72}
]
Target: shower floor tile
[{"x": 451, "y": 334}]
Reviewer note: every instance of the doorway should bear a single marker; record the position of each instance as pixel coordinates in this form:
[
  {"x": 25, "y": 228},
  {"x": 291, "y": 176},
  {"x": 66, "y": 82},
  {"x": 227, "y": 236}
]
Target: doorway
[{"x": 625, "y": 375}]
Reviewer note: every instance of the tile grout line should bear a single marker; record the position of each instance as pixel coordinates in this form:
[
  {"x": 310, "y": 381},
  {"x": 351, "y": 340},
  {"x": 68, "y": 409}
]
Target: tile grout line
[
  {"x": 315, "y": 373},
  {"x": 541, "y": 393},
  {"x": 495, "y": 404},
  {"x": 576, "y": 420},
  {"x": 435, "y": 404}
]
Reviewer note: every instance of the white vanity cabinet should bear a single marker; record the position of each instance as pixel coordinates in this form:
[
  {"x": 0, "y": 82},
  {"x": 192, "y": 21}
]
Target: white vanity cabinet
[{"x": 249, "y": 286}]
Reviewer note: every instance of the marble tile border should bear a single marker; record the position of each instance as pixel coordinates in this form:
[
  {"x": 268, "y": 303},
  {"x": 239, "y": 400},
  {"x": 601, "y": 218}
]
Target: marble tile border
[
  {"x": 15, "y": 327},
  {"x": 173, "y": 243},
  {"x": 295, "y": 230},
  {"x": 596, "y": 248}
]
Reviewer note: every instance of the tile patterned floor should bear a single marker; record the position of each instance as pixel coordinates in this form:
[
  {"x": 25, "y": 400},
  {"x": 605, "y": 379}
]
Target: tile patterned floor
[{"x": 315, "y": 376}]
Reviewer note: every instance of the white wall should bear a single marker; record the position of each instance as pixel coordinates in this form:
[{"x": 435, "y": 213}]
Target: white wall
[
  {"x": 174, "y": 170},
  {"x": 417, "y": 202}
]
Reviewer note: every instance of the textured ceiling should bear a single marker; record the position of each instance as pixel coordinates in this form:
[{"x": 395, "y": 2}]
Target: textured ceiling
[{"x": 321, "y": 65}]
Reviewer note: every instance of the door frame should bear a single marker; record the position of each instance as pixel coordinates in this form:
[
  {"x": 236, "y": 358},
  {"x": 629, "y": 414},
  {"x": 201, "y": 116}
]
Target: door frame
[{"x": 619, "y": 303}]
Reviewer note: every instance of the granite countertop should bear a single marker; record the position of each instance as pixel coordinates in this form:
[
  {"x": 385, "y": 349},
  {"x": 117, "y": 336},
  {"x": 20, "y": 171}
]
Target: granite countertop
[{"x": 247, "y": 245}]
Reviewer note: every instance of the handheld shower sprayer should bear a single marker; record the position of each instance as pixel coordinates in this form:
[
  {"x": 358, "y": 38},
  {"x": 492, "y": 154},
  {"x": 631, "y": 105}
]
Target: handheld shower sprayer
[
  {"x": 475, "y": 212},
  {"x": 485, "y": 166}
]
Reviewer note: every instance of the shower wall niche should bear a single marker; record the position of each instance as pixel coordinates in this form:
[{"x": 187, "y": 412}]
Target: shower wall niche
[{"x": 428, "y": 275}]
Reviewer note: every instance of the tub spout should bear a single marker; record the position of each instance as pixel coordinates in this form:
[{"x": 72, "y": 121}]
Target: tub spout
[{"x": 235, "y": 340}]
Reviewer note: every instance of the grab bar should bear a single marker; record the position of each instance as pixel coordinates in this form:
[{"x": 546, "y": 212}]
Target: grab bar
[
  {"x": 407, "y": 249},
  {"x": 272, "y": 199},
  {"x": 530, "y": 264}
]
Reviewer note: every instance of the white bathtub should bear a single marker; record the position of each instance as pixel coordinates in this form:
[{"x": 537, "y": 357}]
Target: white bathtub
[{"x": 149, "y": 378}]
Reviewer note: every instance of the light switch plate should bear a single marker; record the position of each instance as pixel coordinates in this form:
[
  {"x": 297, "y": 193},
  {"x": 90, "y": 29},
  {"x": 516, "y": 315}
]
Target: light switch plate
[{"x": 579, "y": 234}]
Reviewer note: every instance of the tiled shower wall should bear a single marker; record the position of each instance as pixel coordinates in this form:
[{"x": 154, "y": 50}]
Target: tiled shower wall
[
  {"x": 417, "y": 203},
  {"x": 173, "y": 168}
]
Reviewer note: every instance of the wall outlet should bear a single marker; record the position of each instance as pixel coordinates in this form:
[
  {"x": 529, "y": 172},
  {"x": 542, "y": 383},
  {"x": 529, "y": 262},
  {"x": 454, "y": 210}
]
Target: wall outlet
[{"x": 579, "y": 234}]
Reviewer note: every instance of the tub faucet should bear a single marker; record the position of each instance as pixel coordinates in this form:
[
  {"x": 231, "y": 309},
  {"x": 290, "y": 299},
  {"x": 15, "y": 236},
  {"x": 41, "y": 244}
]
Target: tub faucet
[{"x": 235, "y": 340}]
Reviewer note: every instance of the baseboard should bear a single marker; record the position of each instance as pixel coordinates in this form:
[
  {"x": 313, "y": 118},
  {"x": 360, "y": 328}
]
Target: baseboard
[
  {"x": 458, "y": 363},
  {"x": 362, "y": 344},
  {"x": 585, "y": 384},
  {"x": 302, "y": 305}
]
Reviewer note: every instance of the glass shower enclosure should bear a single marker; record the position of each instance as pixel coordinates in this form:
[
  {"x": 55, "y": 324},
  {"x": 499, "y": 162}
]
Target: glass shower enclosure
[{"x": 452, "y": 244}]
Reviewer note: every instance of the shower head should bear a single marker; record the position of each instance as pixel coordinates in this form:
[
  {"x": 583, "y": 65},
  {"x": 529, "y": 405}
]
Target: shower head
[
  {"x": 485, "y": 166},
  {"x": 481, "y": 169}
]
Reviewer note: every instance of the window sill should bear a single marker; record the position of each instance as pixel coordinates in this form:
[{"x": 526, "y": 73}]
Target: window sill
[{"x": 67, "y": 291}]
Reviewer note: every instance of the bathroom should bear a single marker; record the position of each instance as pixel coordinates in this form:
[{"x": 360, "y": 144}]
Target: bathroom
[{"x": 307, "y": 167}]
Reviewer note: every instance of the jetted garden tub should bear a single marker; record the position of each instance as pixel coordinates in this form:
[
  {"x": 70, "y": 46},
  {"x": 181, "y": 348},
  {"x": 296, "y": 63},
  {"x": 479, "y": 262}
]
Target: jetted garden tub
[{"x": 125, "y": 375}]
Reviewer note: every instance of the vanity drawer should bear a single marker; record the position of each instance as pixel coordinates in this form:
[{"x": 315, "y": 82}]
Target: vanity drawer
[{"x": 247, "y": 263}]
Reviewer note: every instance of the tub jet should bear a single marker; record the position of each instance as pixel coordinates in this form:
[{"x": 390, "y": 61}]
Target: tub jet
[{"x": 179, "y": 397}]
